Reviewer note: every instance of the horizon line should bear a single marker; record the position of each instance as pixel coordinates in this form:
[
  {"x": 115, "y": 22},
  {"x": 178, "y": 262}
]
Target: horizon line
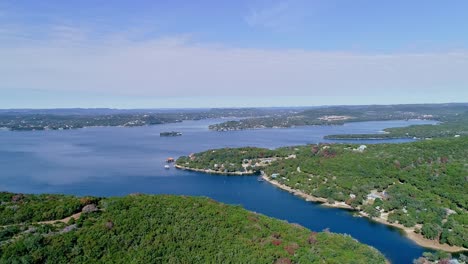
[{"x": 226, "y": 107}]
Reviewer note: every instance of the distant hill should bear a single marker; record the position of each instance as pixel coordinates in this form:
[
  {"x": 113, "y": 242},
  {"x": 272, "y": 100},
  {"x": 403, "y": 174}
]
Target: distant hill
[{"x": 338, "y": 115}]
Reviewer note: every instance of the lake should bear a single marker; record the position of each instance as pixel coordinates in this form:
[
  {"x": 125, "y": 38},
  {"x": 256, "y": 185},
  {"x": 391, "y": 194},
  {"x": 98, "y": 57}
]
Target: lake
[{"x": 111, "y": 161}]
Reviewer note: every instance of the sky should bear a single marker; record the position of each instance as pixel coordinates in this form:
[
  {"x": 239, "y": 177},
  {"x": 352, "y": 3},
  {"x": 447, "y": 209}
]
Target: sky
[{"x": 160, "y": 54}]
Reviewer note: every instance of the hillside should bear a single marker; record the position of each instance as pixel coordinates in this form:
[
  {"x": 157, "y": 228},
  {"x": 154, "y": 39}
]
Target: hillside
[
  {"x": 162, "y": 229},
  {"x": 420, "y": 185}
]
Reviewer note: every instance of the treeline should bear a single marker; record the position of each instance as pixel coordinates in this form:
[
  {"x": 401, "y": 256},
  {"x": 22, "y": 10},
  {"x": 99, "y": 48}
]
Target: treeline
[
  {"x": 451, "y": 126},
  {"x": 227, "y": 159},
  {"x": 24, "y": 208},
  {"x": 55, "y": 119},
  {"x": 179, "y": 229},
  {"x": 338, "y": 115},
  {"x": 420, "y": 184},
  {"x": 56, "y": 122}
]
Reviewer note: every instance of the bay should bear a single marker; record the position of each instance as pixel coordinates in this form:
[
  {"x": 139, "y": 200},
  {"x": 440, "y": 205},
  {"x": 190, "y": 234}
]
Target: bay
[{"x": 111, "y": 161}]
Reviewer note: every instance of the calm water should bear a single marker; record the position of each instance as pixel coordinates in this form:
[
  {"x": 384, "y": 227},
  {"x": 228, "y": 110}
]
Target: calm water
[{"x": 109, "y": 161}]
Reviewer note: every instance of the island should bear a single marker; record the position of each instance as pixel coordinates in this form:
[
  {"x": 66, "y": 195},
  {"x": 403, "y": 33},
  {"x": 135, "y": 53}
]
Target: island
[
  {"x": 170, "y": 134},
  {"x": 419, "y": 187},
  {"x": 50, "y": 228}
]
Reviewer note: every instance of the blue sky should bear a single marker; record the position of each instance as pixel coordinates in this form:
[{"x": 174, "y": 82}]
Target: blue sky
[{"x": 133, "y": 54}]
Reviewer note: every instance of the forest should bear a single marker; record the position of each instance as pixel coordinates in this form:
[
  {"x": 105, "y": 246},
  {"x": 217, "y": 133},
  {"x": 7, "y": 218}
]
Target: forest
[
  {"x": 420, "y": 184},
  {"x": 161, "y": 229}
]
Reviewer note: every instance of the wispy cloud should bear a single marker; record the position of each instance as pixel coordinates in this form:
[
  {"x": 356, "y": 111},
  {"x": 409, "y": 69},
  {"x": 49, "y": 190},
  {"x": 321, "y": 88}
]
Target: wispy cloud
[
  {"x": 269, "y": 17},
  {"x": 285, "y": 15},
  {"x": 70, "y": 60}
]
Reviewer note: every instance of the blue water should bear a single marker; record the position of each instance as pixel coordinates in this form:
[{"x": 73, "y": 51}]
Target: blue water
[{"x": 109, "y": 161}]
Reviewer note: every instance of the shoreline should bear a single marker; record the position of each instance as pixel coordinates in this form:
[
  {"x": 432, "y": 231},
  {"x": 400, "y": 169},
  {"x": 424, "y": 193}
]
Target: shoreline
[
  {"x": 371, "y": 138},
  {"x": 210, "y": 171},
  {"x": 409, "y": 231},
  {"x": 417, "y": 238},
  {"x": 307, "y": 197}
]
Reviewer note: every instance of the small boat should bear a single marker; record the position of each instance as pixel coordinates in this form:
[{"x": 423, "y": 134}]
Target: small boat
[
  {"x": 167, "y": 167},
  {"x": 260, "y": 179}
]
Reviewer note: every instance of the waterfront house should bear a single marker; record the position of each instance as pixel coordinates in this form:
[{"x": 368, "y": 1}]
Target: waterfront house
[
  {"x": 362, "y": 148},
  {"x": 192, "y": 156}
]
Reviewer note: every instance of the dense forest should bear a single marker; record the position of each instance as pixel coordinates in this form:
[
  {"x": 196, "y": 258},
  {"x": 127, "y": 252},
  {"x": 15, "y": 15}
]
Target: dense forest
[
  {"x": 338, "y": 115},
  {"x": 421, "y": 184},
  {"x": 160, "y": 229}
]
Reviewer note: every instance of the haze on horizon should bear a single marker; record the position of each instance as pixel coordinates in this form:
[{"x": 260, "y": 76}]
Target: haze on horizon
[{"x": 57, "y": 54}]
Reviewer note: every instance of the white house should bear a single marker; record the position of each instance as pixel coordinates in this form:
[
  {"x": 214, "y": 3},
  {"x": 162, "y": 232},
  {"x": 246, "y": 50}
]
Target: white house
[{"x": 361, "y": 148}]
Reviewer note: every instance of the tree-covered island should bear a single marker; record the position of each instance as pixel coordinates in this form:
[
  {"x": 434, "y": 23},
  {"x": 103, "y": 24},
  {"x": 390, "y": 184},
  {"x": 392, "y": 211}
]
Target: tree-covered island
[
  {"x": 170, "y": 134},
  {"x": 160, "y": 229}
]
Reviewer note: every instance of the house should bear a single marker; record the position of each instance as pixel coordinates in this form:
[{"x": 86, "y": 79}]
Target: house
[
  {"x": 373, "y": 196},
  {"x": 361, "y": 148}
]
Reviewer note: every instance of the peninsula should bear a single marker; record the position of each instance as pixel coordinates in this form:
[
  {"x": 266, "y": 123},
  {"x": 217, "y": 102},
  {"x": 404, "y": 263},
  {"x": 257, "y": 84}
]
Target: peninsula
[
  {"x": 339, "y": 115},
  {"x": 419, "y": 187}
]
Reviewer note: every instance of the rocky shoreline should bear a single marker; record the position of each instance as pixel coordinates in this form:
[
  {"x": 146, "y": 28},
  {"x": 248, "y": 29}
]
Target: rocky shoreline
[
  {"x": 409, "y": 231},
  {"x": 210, "y": 171},
  {"x": 307, "y": 197}
]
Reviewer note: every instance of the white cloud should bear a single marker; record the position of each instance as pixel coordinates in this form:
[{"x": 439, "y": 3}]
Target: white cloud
[{"x": 71, "y": 61}]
